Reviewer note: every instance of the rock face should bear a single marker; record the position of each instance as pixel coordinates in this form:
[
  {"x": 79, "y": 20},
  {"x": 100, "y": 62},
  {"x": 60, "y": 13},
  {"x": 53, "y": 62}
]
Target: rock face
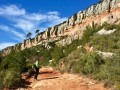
[
  {"x": 106, "y": 11},
  {"x": 103, "y": 32}
]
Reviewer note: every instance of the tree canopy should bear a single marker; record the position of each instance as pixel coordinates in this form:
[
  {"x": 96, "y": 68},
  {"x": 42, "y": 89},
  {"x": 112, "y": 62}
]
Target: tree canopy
[
  {"x": 28, "y": 36},
  {"x": 37, "y": 31}
]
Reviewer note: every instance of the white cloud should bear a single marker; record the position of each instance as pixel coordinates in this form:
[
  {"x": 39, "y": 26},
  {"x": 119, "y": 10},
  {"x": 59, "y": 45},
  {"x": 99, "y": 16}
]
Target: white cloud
[
  {"x": 26, "y": 22},
  {"x": 12, "y": 10},
  {"x": 18, "y": 35},
  {"x": 58, "y": 21},
  {"x": 35, "y": 16},
  {"x": 6, "y": 44},
  {"x": 31, "y": 22},
  {"x": 3, "y": 27},
  {"x": 24, "y": 25},
  {"x": 53, "y": 13}
]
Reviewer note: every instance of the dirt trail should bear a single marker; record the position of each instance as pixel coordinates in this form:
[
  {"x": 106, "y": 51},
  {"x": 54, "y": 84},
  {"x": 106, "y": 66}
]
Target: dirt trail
[{"x": 50, "y": 79}]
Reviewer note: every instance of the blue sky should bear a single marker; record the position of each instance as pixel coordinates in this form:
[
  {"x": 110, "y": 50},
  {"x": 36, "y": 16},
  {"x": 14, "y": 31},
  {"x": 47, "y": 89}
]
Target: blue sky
[{"x": 18, "y": 17}]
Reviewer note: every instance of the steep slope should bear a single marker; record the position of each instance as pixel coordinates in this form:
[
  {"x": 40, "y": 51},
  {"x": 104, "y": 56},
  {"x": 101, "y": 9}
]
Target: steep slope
[
  {"x": 88, "y": 44},
  {"x": 106, "y": 11}
]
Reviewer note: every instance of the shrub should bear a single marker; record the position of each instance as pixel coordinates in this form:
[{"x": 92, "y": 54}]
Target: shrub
[
  {"x": 2, "y": 74},
  {"x": 72, "y": 47},
  {"x": 12, "y": 78},
  {"x": 108, "y": 26},
  {"x": 57, "y": 54},
  {"x": 118, "y": 86},
  {"x": 83, "y": 63},
  {"x": 0, "y": 58},
  {"x": 108, "y": 43},
  {"x": 90, "y": 63},
  {"x": 110, "y": 70},
  {"x": 89, "y": 32}
]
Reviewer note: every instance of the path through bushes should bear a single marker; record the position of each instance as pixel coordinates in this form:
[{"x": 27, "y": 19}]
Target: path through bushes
[{"x": 50, "y": 79}]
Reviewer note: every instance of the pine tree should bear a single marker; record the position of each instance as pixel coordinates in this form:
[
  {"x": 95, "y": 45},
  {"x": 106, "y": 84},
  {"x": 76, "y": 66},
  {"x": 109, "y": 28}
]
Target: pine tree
[{"x": 28, "y": 36}]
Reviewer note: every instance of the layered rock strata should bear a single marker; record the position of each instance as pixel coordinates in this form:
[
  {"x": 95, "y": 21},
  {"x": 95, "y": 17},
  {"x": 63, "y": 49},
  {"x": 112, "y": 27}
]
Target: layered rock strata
[{"x": 106, "y": 11}]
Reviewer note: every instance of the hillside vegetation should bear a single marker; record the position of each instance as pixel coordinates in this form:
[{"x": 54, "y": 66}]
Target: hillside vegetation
[{"x": 73, "y": 58}]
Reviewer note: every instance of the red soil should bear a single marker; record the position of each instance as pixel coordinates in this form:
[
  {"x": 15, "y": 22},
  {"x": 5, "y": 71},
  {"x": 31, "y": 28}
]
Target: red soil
[{"x": 49, "y": 79}]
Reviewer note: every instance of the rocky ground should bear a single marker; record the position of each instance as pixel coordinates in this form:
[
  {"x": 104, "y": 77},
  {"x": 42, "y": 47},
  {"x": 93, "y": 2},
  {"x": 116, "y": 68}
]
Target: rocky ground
[{"x": 50, "y": 79}]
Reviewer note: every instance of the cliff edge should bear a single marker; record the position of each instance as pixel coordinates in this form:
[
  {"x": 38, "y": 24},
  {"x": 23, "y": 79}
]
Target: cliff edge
[{"x": 106, "y": 11}]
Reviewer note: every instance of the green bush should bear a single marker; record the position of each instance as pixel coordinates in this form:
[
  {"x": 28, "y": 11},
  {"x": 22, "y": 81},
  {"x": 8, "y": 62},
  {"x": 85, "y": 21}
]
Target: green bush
[
  {"x": 57, "y": 54},
  {"x": 2, "y": 74},
  {"x": 76, "y": 60},
  {"x": 47, "y": 56},
  {"x": 80, "y": 62},
  {"x": 0, "y": 58},
  {"x": 117, "y": 86},
  {"x": 110, "y": 70},
  {"x": 108, "y": 43},
  {"x": 89, "y": 63},
  {"x": 88, "y": 33},
  {"x": 72, "y": 47},
  {"x": 108, "y": 26},
  {"x": 12, "y": 79}
]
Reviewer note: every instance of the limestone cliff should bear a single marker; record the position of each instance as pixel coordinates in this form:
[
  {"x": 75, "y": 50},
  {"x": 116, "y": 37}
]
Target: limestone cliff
[{"x": 106, "y": 11}]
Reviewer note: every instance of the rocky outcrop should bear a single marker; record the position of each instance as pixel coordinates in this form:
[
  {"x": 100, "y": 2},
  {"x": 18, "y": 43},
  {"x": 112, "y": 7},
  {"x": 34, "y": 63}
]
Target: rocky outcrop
[
  {"x": 7, "y": 50},
  {"x": 105, "y": 32},
  {"x": 105, "y": 54},
  {"x": 106, "y": 11}
]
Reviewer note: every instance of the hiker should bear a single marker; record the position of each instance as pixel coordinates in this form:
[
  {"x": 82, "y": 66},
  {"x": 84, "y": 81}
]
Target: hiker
[{"x": 36, "y": 67}]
